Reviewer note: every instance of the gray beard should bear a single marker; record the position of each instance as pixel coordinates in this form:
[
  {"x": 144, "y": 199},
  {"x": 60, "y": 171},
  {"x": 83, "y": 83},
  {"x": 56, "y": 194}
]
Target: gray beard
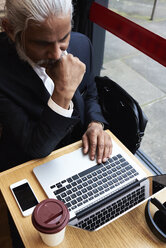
[{"x": 22, "y": 54}]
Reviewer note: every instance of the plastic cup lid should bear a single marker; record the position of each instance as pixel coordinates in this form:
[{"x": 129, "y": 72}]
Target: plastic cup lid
[{"x": 50, "y": 216}]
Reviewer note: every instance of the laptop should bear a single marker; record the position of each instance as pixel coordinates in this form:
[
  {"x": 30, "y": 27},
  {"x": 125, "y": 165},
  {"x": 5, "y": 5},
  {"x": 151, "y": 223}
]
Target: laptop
[{"x": 95, "y": 194}]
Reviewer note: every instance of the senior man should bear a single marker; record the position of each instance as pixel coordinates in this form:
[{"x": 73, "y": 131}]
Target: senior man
[{"x": 48, "y": 97}]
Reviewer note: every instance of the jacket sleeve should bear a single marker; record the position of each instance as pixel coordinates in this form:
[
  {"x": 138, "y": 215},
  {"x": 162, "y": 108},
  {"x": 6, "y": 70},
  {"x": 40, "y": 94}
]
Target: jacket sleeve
[
  {"x": 37, "y": 138},
  {"x": 88, "y": 88}
]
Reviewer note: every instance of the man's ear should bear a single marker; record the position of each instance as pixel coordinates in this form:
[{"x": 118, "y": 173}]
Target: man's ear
[{"x": 6, "y": 25}]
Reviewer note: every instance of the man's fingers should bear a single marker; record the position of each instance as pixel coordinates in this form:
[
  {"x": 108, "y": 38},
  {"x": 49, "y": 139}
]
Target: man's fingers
[
  {"x": 100, "y": 148},
  {"x": 93, "y": 145},
  {"x": 89, "y": 144},
  {"x": 107, "y": 148},
  {"x": 107, "y": 153},
  {"x": 85, "y": 144},
  {"x": 97, "y": 142}
]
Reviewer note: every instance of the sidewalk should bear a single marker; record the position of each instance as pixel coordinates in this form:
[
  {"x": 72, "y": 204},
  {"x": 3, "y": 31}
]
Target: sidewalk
[{"x": 142, "y": 77}]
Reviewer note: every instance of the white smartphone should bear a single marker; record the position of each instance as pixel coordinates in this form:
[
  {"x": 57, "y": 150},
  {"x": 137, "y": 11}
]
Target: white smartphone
[{"x": 24, "y": 196}]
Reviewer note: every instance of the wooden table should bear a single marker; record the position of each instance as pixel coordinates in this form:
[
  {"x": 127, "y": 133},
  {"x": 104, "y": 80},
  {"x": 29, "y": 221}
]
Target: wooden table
[{"x": 128, "y": 231}]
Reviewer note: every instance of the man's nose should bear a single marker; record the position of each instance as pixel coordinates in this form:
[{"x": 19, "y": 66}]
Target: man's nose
[{"x": 54, "y": 52}]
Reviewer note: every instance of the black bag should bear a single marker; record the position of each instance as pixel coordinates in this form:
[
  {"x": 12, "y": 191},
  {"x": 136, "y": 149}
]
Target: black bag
[{"x": 124, "y": 115}]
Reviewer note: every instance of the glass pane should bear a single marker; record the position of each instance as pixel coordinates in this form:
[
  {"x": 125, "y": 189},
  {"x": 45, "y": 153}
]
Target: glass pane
[
  {"x": 141, "y": 76},
  {"x": 140, "y": 12}
]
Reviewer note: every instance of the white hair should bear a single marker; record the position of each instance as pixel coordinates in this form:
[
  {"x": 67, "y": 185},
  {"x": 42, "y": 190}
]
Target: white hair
[{"x": 19, "y": 12}]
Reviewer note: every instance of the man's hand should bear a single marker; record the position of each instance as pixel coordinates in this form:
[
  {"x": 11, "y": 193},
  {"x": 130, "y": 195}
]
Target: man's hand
[
  {"x": 66, "y": 73},
  {"x": 97, "y": 142}
]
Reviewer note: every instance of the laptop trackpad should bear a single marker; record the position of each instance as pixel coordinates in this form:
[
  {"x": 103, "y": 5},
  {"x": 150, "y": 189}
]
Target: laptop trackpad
[{"x": 63, "y": 167}]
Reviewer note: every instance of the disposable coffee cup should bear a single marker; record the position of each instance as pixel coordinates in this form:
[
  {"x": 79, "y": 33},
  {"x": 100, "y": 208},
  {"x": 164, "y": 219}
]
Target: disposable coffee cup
[{"x": 50, "y": 218}]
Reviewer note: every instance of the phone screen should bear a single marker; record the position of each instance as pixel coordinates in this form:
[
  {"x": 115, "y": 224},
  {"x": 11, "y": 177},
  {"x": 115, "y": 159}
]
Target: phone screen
[{"x": 25, "y": 196}]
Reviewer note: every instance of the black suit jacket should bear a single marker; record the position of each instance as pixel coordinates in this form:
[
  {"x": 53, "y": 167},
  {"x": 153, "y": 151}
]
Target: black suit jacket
[{"x": 30, "y": 128}]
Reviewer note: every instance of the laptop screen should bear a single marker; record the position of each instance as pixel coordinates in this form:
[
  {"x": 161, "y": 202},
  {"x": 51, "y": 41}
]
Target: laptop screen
[{"x": 158, "y": 183}]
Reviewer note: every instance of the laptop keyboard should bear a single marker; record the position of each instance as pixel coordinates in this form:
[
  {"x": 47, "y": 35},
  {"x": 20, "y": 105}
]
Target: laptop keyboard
[
  {"x": 103, "y": 216},
  {"x": 93, "y": 182}
]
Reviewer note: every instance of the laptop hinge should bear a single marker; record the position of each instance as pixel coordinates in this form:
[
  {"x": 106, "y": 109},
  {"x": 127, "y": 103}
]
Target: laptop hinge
[{"x": 109, "y": 198}]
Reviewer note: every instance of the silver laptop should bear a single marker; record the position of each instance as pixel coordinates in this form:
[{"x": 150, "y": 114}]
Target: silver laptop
[{"x": 95, "y": 194}]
